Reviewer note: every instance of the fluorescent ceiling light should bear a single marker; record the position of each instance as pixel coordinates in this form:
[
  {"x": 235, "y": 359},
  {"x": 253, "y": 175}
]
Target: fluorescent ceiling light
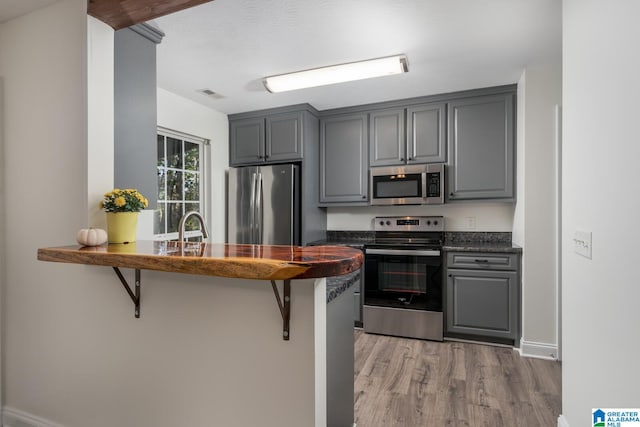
[{"x": 337, "y": 74}]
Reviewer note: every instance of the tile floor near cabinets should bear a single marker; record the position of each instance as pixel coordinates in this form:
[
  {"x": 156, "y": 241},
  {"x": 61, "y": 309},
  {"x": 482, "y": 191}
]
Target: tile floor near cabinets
[{"x": 412, "y": 383}]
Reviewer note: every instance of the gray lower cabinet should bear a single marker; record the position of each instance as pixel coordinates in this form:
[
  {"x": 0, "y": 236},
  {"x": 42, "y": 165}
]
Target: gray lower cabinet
[
  {"x": 483, "y": 300},
  {"x": 344, "y": 160},
  {"x": 411, "y": 135},
  {"x": 357, "y": 299},
  {"x": 481, "y": 148},
  {"x": 266, "y": 138}
]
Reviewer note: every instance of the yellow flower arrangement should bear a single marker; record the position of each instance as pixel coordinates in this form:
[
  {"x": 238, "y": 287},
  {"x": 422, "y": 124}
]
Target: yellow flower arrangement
[{"x": 129, "y": 200}]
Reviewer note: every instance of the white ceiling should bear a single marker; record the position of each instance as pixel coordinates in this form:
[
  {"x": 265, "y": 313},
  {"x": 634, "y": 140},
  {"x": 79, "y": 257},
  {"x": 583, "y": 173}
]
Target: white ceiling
[
  {"x": 10, "y": 9},
  {"x": 228, "y": 46}
]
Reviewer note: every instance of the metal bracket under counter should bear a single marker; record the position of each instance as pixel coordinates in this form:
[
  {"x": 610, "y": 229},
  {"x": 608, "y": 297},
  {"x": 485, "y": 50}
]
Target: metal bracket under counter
[
  {"x": 135, "y": 297},
  {"x": 284, "y": 302}
]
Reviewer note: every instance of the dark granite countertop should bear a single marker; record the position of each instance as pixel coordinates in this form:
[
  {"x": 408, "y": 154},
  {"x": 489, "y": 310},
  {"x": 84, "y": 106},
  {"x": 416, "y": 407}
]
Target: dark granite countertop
[
  {"x": 355, "y": 239},
  {"x": 358, "y": 244},
  {"x": 336, "y": 285},
  {"x": 462, "y": 241}
]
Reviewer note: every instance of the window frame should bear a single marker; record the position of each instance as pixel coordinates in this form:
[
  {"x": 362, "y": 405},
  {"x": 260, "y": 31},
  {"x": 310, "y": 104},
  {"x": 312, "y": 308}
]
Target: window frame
[{"x": 203, "y": 145}]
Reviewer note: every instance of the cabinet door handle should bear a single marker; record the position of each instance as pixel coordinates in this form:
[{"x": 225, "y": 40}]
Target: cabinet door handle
[
  {"x": 484, "y": 261},
  {"x": 402, "y": 159},
  {"x": 364, "y": 197},
  {"x": 450, "y": 194},
  {"x": 451, "y": 275}
]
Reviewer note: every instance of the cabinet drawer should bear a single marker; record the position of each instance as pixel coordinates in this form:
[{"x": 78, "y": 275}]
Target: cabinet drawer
[{"x": 482, "y": 261}]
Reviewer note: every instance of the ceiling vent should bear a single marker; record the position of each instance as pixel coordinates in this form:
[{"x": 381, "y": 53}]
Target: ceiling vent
[{"x": 211, "y": 94}]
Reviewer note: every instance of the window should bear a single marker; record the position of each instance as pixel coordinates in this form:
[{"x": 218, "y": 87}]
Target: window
[{"x": 180, "y": 182}]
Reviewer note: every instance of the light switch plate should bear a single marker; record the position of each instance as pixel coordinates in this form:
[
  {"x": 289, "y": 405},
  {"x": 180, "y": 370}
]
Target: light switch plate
[{"x": 582, "y": 243}]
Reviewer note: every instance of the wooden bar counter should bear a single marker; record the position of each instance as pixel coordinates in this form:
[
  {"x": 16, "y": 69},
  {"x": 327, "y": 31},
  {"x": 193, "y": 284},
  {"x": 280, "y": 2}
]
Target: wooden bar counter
[
  {"x": 262, "y": 262},
  {"x": 284, "y": 349}
]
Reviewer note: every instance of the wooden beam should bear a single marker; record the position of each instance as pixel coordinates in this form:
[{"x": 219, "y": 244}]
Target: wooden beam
[{"x": 120, "y": 14}]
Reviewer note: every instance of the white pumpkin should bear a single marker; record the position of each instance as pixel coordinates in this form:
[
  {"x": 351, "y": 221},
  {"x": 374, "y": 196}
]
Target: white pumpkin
[{"x": 91, "y": 236}]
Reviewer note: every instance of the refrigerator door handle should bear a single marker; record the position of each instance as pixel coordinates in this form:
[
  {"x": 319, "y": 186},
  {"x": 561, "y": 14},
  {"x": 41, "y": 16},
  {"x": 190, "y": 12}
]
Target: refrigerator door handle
[
  {"x": 258, "y": 215},
  {"x": 252, "y": 207}
]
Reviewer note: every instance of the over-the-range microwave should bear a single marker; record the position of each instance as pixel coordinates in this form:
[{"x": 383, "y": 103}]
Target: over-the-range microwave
[{"x": 407, "y": 185}]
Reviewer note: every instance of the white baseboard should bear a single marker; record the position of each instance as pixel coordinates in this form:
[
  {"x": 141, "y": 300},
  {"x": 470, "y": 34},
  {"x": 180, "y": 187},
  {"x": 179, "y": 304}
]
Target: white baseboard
[
  {"x": 12, "y": 417},
  {"x": 538, "y": 350},
  {"x": 562, "y": 421}
]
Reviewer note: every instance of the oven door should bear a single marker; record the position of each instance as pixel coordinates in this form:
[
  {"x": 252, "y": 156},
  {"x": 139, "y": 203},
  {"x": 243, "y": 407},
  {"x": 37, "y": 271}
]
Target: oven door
[{"x": 403, "y": 278}]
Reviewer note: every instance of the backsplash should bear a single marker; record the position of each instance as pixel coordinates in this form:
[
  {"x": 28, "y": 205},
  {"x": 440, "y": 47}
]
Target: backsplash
[
  {"x": 476, "y": 216},
  {"x": 477, "y": 236}
]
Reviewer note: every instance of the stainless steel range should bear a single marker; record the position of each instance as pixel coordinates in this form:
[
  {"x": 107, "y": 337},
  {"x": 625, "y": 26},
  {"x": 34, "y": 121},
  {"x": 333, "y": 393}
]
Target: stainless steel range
[{"x": 403, "y": 277}]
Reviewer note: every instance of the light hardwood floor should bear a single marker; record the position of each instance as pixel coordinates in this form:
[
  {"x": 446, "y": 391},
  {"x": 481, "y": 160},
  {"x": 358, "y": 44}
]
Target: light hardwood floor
[{"x": 414, "y": 383}]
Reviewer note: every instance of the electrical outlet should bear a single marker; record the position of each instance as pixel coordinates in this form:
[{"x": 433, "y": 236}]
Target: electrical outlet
[
  {"x": 582, "y": 243},
  {"x": 470, "y": 222}
]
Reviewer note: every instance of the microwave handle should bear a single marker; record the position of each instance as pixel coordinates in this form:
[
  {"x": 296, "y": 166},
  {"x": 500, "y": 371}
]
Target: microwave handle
[{"x": 424, "y": 185}]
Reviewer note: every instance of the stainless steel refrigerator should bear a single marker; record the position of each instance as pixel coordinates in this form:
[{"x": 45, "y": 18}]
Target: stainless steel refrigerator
[{"x": 263, "y": 206}]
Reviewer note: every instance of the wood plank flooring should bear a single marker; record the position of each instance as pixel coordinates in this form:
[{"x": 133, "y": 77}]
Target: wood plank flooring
[{"x": 413, "y": 383}]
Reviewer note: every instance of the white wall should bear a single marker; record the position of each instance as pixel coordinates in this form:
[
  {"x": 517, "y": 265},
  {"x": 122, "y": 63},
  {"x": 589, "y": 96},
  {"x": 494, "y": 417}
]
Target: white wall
[
  {"x": 74, "y": 354},
  {"x": 488, "y": 216},
  {"x": 100, "y": 115},
  {"x": 535, "y": 216},
  {"x": 3, "y": 248},
  {"x": 601, "y": 65},
  {"x": 184, "y": 115},
  {"x": 521, "y": 124},
  {"x": 44, "y": 68}
]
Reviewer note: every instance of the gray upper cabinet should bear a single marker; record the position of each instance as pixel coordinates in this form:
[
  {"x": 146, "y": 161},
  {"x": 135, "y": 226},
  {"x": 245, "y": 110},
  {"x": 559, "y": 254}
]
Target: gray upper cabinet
[
  {"x": 264, "y": 139},
  {"x": 426, "y": 126},
  {"x": 410, "y": 135},
  {"x": 247, "y": 141},
  {"x": 481, "y": 148},
  {"x": 344, "y": 160},
  {"x": 284, "y": 137},
  {"x": 386, "y": 138}
]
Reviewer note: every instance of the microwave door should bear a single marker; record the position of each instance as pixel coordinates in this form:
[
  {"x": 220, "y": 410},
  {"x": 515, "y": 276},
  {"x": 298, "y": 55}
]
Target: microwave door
[{"x": 398, "y": 189}]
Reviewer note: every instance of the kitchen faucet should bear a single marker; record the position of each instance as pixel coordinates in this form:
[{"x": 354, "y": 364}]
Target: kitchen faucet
[{"x": 183, "y": 222}]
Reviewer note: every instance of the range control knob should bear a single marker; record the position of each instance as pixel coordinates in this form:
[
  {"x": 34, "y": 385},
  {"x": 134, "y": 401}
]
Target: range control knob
[
  {"x": 388, "y": 222},
  {"x": 381, "y": 222},
  {"x": 435, "y": 222},
  {"x": 428, "y": 222}
]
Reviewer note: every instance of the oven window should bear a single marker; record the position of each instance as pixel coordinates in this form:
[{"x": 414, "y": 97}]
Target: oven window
[
  {"x": 396, "y": 186},
  {"x": 397, "y": 275},
  {"x": 403, "y": 281}
]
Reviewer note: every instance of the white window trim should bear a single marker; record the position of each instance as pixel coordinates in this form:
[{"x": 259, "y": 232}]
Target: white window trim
[{"x": 204, "y": 178}]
